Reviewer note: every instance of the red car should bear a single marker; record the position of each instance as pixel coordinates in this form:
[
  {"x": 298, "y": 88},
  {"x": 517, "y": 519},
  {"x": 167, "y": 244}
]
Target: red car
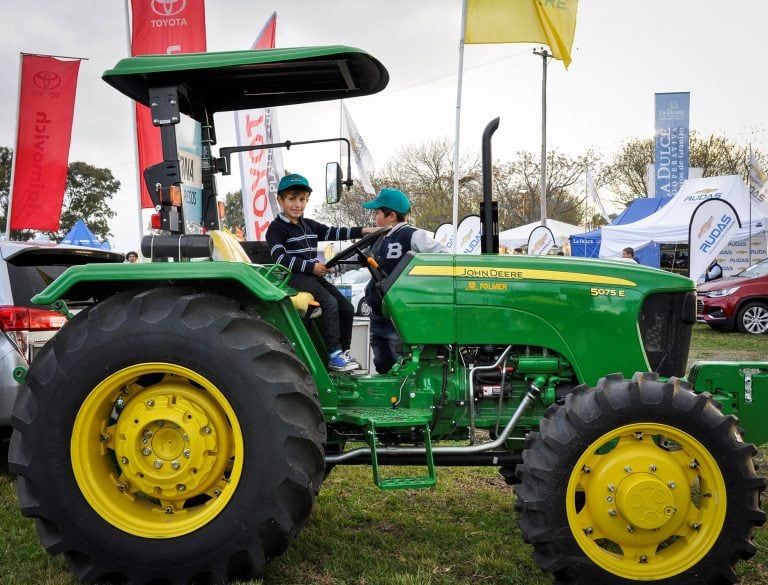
[{"x": 738, "y": 302}]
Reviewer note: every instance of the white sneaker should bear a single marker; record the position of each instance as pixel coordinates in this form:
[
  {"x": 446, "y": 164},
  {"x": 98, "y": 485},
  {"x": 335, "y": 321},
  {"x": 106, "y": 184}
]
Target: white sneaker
[{"x": 339, "y": 362}]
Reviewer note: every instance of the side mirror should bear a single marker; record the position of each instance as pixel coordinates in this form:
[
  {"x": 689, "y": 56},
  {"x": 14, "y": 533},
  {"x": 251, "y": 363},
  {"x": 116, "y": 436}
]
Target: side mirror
[{"x": 332, "y": 182}]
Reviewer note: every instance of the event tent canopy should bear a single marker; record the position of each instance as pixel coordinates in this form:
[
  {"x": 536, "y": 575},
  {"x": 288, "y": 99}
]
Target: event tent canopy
[
  {"x": 80, "y": 235},
  {"x": 588, "y": 244},
  {"x": 670, "y": 224},
  {"x": 518, "y": 237}
]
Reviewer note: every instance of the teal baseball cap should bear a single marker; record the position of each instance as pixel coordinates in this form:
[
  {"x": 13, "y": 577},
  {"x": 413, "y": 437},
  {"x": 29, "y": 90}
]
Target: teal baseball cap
[
  {"x": 293, "y": 181},
  {"x": 392, "y": 199}
]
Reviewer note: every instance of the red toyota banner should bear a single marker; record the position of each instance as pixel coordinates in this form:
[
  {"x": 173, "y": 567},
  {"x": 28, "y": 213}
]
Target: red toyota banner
[
  {"x": 162, "y": 27},
  {"x": 46, "y": 109}
]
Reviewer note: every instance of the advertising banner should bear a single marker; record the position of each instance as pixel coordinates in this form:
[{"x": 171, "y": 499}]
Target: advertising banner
[
  {"x": 671, "y": 142},
  {"x": 46, "y": 111},
  {"x": 469, "y": 235},
  {"x": 712, "y": 224},
  {"x": 741, "y": 254},
  {"x": 444, "y": 235},
  {"x": 260, "y": 170},
  {"x": 540, "y": 241},
  {"x": 161, "y": 27}
]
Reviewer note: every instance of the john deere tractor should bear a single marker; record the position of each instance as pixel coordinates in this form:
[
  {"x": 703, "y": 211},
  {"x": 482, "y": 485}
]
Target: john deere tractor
[{"x": 179, "y": 430}]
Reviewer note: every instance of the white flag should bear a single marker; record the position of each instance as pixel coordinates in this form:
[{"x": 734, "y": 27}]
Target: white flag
[
  {"x": 592, "y": 194},
  {"x": 758, "y": 181},
  {"x": 360, "y": 151}
]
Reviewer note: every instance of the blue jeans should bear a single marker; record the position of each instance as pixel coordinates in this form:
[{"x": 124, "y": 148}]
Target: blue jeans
[{"x": 385, "y": 343}]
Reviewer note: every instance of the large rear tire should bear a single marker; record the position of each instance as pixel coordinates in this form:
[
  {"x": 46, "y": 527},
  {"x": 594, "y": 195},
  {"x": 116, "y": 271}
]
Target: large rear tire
[
  {"x": 639, "y": 480},
  {"x": 168, "y": 437}
]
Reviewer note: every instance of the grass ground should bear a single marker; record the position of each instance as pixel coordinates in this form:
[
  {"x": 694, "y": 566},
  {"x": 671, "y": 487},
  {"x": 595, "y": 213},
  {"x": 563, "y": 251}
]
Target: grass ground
[{"x": 463, "y": 531}]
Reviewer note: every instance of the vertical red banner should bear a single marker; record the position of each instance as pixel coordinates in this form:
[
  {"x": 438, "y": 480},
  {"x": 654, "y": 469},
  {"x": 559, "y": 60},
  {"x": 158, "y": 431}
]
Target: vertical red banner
[
  {"x": 46, "y": 110},
  {"x": 162, "y": 27}
]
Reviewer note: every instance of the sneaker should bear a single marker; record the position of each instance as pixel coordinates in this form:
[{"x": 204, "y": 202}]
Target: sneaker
[
  {"x": 349, "y": 358},
  {"x": 339, "y": 362}
]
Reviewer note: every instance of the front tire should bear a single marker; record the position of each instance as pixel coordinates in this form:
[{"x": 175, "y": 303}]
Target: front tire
[
  {"x": 167, "y": 437},
  {"x": 753, "y": 319},
  {"x": 639, "y": 480}
]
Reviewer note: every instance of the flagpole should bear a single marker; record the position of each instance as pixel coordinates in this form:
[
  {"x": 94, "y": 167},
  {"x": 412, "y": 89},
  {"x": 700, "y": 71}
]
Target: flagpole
[
  {"x": 13, "y": 158},
  {"x": 135, "y": 128},
  {"x": 455, "y": 211},
  {"x": 544, "y": 54}
]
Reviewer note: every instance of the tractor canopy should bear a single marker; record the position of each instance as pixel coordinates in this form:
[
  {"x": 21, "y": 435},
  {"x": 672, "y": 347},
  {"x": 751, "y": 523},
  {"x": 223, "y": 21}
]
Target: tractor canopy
[{"x": 238, "y": 80}]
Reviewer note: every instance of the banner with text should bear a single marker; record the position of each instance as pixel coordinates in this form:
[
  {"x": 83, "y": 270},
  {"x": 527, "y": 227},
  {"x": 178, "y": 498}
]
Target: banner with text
[
  {"x": 712, "y": 223},
  {"x": 670, "y": 154},
  {"x": 46, "y": 111},
  {"x": 260, "y": 170},
  {"x": 161, "y": 28},
  {"x": 541, "y": 241}
]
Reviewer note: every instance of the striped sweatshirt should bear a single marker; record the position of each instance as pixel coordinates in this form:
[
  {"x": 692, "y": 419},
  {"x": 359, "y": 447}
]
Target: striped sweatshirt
[{"x": 295, "y": 245}]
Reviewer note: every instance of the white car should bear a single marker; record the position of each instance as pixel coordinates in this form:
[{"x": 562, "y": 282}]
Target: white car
[{"x": 352, "y": 285}]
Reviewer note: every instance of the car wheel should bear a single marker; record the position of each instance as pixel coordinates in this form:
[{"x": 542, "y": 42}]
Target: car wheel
[
  {"x": 753, "y": 318},
  {"x": 363, "y": 309}
]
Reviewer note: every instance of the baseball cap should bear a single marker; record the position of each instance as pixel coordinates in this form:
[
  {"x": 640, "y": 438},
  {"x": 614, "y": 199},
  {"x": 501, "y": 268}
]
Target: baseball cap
[
  {"x": 392, "y": 199},
  {"x": 293, "y": 181}
]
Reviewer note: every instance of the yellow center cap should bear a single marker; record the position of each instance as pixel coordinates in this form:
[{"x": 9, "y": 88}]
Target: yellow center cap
[
  {"x": 645, "y": 501},
  {"x": 168, "y": 443}
]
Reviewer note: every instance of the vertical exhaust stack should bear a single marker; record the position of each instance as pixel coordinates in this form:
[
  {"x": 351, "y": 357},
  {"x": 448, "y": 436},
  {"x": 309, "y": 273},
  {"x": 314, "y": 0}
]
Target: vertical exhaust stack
[{"x": 489, "y": 211}]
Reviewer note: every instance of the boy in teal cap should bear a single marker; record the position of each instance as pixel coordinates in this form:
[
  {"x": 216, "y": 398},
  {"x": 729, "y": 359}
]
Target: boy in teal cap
[
  {"x": 392, "y": 207},
  {"x": 292, "y": 240}
]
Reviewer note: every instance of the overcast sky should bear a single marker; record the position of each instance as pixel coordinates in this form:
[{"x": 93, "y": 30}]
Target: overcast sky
[{"x": 623, "y": 53}]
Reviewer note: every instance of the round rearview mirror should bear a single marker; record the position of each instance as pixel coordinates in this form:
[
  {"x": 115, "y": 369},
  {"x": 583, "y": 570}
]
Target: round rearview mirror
[{"x": 332, "y": 182}]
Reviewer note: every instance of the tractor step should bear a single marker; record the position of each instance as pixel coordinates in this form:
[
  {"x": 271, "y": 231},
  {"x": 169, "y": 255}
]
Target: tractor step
[{"x": 403, "y": 483}]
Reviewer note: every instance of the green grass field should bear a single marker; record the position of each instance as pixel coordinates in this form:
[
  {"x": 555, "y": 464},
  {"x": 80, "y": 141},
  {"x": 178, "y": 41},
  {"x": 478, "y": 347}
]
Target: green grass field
[{"x": 463, "y": 531}]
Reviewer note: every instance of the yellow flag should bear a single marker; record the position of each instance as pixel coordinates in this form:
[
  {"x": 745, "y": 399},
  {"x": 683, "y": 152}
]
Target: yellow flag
[{"x": 552, "y": 22}]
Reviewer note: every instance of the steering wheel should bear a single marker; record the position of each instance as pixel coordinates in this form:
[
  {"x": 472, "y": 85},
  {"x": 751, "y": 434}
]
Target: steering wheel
[{"x": 358, "y": 248}]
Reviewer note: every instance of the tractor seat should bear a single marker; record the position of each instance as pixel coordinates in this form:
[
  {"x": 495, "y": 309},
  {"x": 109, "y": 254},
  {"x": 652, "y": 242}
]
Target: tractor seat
[{"x": 227, "y": 248}]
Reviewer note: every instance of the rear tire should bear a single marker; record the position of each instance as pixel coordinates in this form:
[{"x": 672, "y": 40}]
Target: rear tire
[
  {"x": 167, "y": 437},
  {"x": 639, "y": 480},
  {"x": 753, "y": 318}
]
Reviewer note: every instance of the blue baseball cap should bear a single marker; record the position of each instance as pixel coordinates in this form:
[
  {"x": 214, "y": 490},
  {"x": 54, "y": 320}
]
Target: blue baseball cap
[
  {"x": 294, "y": 181},
  {"x": 392, "y": 199}
]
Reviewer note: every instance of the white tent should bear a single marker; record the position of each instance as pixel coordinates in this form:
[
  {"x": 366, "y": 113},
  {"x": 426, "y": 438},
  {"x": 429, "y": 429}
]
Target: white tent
[
  {"x": 670, "y": 224},
  {"x": 518, "y": 237}
]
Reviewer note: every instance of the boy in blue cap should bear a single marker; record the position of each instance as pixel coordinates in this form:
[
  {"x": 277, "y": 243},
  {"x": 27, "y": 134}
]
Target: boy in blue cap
[
  {"x": 392, "y": 207},
  {"x": 292, "y": 240}
]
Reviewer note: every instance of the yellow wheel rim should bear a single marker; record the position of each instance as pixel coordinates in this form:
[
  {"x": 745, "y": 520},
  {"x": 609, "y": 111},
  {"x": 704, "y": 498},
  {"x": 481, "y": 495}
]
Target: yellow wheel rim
[
  {"x": 157, "y": 450},
  {"x": 646, "y": 501}
]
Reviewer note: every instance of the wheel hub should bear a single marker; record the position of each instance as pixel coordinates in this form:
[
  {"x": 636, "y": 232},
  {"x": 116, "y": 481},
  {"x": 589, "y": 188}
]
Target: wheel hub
[
  {"x": 167, "y": 445},
  {"x": 645, "y": 501}
]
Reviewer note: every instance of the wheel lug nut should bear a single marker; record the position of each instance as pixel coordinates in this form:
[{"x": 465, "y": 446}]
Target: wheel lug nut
[
  {"x": 207, "y": 430},
  {"x": 159, "y": 423},
  {"x": 630, "y": 528},
  {"x": 150, "y": 403},
  {"x": 643, "y": 558},
  {"x": 104, "y": 437},
  {"x": 628, "y": 469},
  {"x": 121, "y": 487},
  {"x": 174, "y": 465},
  {"x": 147, "y": 434},
  {"x": 181, "y": 487},
  {"x": 589, "y": 530},
  {"x": 168, "y": 510},
  {"x": 185, "y": 436},
  {"x": 612, "y": 513},
  {"x": 187, "y": 453},
  {"x": 611, "y": 487},
  {"x": 124, "y": 460},
  {"x": 672, "y": 484},
  {"x": 158, "y": 463},
  {"x": 146, "y": 451},
  {"x": 652, "y": 467}
]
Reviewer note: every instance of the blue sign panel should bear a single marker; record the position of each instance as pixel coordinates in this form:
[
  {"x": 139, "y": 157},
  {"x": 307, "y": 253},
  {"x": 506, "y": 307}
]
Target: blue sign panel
[{"x": 671, "y": 144}]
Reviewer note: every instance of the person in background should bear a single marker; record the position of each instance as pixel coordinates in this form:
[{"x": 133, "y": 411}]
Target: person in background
[
  {"x": 713, "y": 271},
  {"x": 629, "y": 255},
  {"x": 132, "y": 257},
  {"x": 292, "y": 240},
  {"x": 391, "y": 210}
]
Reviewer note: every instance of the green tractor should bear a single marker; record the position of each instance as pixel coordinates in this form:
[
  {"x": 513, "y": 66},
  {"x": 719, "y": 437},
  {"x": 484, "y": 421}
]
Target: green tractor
[{"x": 179, "y": 430}]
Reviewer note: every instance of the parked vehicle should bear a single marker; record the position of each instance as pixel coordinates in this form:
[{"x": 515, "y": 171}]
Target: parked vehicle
[
  {"x": 352, "y": 284},
  {"x": 26, "y": 268},
  {"x": 178, "y": 430},
  {"x": 738, "y": 302}
]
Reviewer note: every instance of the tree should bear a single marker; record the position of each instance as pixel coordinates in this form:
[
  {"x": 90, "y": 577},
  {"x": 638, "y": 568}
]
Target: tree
[
  {"x": 517, "y": 188},
  {"x": 233, "y": 211},
  {"x": 715, "y": 155},
  {"x": 86, "y": 196}
]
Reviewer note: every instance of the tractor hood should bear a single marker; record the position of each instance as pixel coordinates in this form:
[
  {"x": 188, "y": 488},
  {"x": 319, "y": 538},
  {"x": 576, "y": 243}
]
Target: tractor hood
[{"x": 238, "y": 80}]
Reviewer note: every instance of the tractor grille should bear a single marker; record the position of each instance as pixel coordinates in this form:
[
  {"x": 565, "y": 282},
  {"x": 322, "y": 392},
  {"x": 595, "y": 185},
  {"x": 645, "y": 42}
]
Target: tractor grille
[{"x": 665, "y": 327}]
